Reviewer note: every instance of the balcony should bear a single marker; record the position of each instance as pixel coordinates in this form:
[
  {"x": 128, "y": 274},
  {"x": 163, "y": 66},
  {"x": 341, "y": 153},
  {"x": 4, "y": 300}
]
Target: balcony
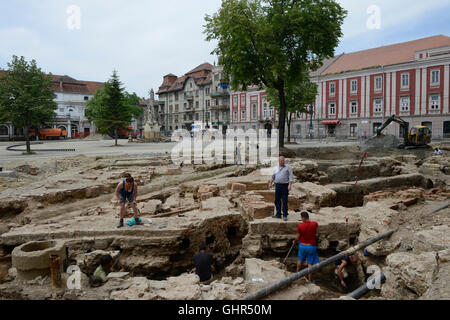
[
  {"x": 220, "y": 93},
  {"x": 220, "y": 107},
  {"x": 189, "y": 95}
]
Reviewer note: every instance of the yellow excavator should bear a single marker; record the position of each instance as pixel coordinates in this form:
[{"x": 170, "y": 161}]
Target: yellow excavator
[{"x": 417, "y": 137}]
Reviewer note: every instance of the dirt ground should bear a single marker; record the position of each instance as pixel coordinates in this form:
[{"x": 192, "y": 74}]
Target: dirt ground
[{"x": 229, "y": 208}]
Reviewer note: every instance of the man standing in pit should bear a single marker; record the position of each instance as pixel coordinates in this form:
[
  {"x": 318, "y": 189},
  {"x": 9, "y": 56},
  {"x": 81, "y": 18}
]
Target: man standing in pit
[
  {"x": 204, "y": 264},
  {"x": 283, "y": 178},
  {"x": 127, "y": 190},
  {"x": 306, "y": 237}
]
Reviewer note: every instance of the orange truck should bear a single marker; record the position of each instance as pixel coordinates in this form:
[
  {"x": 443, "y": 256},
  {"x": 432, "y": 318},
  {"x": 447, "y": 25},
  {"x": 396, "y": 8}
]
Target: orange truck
[{"x": 48, "y": 134}]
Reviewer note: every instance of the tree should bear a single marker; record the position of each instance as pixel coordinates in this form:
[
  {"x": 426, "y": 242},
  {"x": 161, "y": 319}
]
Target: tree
[
  {"x": 112, "y": 108},
  {"x": 26, "y": 96},
  {"x": 297, "y": 98},
  {"x": 270, "y": 43}
]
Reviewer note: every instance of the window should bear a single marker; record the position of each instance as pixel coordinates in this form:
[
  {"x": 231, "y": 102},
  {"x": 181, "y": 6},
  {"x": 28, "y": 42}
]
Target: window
[
  {"x": 191, "y": 117},
  {"x": 446, "y": 129},
  {"x": 196, "y": 93},
  {"x": 4, "y": 131},
  {"x": 435, "y": 77},
  {"x": 55, "y": 96},
  {"x": 298, "y": 129},
  {"x": 176, "y": 96},
  {"x": 354, "y": 86},
  {"x": 176, "y": 108},
  {"x": 376, "y": 126},
  {"x": 207, "y": 90},
  {"x": 185, "y": 106},
  {"x": 404, "y": 104},
  {"x": 216, "y": 77},
  {"x": 271, "y": 112},
  {"x": 243, "y": 115},
  {"x": 196, "y": 104},
  {"x": 377, "y": 105},
  {"x": 354, "y": 107},
  {"x": 254, "y": 111},
  {"x": 61, "y": 110},
  {"x": 353, "y": 130},
  {"x": 170, "y": 109},
  {"x": 332, "y": 89},
  {"x": 378, "y": 83},
  {"x": 197, "y": 117},
  {"x": 235, "y": 116},
  {"x": 265, "y": 111},
  {"x": 86, "y": 98},
  {"x": 235, "y": 101},
  {"x": 405, "y": 81},
  {"x": 243, "y": 100},
  {"x": 435, "y": 103},
  {"x": 190, "y": 85},
  {"x": 332, "y": 108}
]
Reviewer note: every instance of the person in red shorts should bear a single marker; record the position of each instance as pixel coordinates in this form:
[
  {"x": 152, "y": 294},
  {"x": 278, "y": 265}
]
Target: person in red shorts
[{"x": 306, "y": 237}]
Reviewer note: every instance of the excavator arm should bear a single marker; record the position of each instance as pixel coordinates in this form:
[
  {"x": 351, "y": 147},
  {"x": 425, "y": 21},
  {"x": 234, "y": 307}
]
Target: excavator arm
[{"x": 401, "y": 122}]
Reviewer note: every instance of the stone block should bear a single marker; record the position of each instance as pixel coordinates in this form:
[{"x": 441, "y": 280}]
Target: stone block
[
  {"x": 261, "y": 210},
  {"x": 174, "y": 171},
  {"x": 238, "y": 187}
]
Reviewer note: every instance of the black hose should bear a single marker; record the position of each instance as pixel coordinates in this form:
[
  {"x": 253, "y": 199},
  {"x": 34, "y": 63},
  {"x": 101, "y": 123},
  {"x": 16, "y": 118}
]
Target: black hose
[
  {"x": 362, "y": 291},
  {"x": 283, "y": 283},
  {"x": 444, "y": 207},
  {"x": 12, "y": 148}
]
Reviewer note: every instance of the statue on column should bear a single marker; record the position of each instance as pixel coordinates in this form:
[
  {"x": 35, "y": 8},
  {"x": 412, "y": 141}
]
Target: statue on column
[{"x": 152, "y": 130}]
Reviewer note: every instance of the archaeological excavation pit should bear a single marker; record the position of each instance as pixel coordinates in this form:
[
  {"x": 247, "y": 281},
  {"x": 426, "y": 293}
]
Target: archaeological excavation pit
[{"x": 229, "y": 209}]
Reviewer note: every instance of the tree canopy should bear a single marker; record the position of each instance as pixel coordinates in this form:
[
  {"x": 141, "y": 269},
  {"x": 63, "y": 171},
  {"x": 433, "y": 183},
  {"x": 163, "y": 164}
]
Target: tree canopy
[
  {"x": 112, "y": 108},
  {"x": 26, "y": 96},
  {"x": 271, "y": 43}
]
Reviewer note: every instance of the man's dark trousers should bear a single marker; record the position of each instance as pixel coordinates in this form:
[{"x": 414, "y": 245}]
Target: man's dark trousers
[{"x": 282, "y": 195}]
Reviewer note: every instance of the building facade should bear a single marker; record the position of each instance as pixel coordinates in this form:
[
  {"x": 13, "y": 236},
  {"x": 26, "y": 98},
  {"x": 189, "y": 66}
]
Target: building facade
[
  {"x": 71, "y": 97},
  {"x": 199, "y": 99},
  {"x": 358, "y": 92}
]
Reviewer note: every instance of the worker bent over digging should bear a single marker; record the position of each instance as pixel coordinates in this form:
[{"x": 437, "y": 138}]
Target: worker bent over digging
[
  {"x": 306, "y": 236},
  {"x": 127, "y": 190}
]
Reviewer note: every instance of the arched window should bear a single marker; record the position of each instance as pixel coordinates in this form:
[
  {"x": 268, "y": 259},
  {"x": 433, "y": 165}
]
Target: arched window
[{"x": 4, "y": 131}]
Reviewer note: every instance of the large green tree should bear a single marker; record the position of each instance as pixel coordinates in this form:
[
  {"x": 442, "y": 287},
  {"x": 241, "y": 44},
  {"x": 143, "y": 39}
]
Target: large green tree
[
  {"x": 112, "y": 108},
  {"x": 26, "y": 96},
  {"x": 298, "y": 97},
  {"x": 270, "y": 43}
]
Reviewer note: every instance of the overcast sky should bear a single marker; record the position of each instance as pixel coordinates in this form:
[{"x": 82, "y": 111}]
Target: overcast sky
[{"x": 147, "y": 39}]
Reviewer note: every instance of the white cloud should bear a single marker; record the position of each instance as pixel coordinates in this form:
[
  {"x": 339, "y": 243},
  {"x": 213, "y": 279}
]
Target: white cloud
[{"x": 145, "y": 40}]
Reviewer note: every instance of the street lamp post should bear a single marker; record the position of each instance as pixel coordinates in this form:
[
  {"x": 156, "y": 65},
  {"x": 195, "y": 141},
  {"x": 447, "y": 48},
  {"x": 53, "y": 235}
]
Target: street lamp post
[{"x": 311, "y": 128}]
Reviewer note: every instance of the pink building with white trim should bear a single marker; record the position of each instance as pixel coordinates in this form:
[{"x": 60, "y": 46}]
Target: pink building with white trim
[{"x": 358, "y": 91}]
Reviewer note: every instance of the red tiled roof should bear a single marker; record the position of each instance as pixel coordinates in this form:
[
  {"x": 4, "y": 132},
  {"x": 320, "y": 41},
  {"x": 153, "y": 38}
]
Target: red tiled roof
[
  {"x": 93, "y": 86},
  {"x": 201, "y": 76},
  {"x": 71, "y": 85},
  {"x": 205, "y": 66},
  {"x": 386, "y": 55}
]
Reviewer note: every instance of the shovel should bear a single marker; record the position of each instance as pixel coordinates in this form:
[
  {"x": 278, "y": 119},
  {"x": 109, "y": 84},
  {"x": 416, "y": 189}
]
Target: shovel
[{"x": 285, "y": 259}]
